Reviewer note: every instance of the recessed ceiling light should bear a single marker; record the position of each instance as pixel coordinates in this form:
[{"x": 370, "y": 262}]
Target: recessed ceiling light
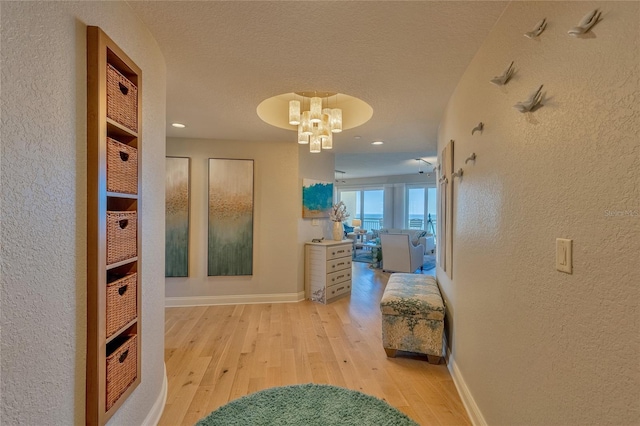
[
  {"x": 356, "y": 137},
  {"x": 377, "y": 143},
  {"x": 178, "y": 125}
]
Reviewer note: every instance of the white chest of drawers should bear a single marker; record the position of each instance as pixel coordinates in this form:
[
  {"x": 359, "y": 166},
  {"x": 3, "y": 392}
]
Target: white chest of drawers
[{"x": 327, "y": 270}]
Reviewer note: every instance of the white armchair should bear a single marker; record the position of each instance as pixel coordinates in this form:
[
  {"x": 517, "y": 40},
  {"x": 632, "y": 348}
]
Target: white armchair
[
  {"x": 427, "y": 240},
  {"x": 399, "y": 254}
]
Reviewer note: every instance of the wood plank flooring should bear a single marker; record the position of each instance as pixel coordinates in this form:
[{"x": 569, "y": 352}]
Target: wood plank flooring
[{"x": 215, "y": 354}]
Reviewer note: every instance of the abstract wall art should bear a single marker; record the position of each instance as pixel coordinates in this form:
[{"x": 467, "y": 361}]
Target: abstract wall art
[
  {"x": 317, "y": 198},
  {"x": 177, "y": 217},
  {"x": 230, "y": 234}
]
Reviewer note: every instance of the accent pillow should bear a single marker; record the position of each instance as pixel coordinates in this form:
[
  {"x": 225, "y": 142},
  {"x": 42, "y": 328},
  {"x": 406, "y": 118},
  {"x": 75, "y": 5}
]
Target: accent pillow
[
  {"x": 416, "y": 237},
  {"x": 347, "y": 228}
]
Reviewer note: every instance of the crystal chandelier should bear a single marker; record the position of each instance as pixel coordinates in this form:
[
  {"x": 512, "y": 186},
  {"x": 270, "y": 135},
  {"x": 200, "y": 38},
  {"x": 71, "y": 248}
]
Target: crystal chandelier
[{"x": 316, "y": 125}]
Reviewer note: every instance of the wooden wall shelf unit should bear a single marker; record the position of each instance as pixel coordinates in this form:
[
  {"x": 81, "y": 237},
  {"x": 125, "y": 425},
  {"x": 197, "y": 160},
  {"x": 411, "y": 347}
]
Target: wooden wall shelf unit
[{"x": 114, "y": 329}]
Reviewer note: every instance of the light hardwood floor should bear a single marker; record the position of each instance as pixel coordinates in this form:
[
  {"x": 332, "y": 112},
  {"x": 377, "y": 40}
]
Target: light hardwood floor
[{"x": 215, "y": 354}]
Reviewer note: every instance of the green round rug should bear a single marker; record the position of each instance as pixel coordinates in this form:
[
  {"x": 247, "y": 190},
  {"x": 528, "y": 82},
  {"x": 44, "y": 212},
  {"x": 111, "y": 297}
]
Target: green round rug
[{"x": 307, "y": 405}]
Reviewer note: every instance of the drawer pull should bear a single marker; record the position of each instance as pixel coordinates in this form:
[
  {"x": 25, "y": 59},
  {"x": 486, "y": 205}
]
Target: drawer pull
[
  {"x": 339, "y": 264},
  {"x": 122, "y": 290},
  {"x": 339, "y": 276},
  {"x": 124, "y": 89},
  {"x": 340, "y": 251},
  {"x": 124, "y": 156},
  {"x": 123, "y": 223},
  {"x": 341, "y": 288},
  {"x": 123, "y": 356}
]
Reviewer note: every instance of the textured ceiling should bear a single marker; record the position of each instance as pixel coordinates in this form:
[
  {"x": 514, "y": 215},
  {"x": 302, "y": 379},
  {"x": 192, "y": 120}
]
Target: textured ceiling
[{"x": 402, "y": 58}]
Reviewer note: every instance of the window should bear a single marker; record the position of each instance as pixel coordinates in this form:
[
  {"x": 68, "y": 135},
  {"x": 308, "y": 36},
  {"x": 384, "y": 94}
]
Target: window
[
  {"x": 364, "y": 204},
  {"x": 421, "y": 208},
  {"x": 416, "y": 198}
]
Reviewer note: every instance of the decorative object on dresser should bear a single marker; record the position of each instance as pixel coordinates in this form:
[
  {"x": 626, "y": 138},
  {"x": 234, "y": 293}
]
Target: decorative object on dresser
[
  {"x": 338, "y": 214},
  {"x": 176, "y": 259},
  {"x": 114, "y": 293},
  {"x": 327, "y": 270},
  {"x": 230, "y": 233}
]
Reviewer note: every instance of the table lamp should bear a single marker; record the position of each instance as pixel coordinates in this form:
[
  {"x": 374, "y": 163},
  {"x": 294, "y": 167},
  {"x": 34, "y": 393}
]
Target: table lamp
[{"x": 356, "y": 223}]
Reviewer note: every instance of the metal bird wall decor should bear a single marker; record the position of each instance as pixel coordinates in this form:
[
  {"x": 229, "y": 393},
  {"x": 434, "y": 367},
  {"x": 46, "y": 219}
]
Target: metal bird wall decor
[
  {"x": 537, "y": 30},
  {"x": 587, "y": 22},
  {"x": 501, "y": 80},
  {"x": 531, "y": 102}
]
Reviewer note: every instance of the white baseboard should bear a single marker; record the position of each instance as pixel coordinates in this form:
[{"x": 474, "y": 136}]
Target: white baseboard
[
  {"x": 248, "y": 299},
  {"x": 154, "y": 415},
  {"x": 467, "y": 399}
]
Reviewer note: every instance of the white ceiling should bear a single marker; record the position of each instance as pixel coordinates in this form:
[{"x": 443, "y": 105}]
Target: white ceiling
[{"x": 402, "y": 58}]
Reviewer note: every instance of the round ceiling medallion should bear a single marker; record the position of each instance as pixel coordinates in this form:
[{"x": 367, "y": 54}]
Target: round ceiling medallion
[{"x": 275, "y": 110}]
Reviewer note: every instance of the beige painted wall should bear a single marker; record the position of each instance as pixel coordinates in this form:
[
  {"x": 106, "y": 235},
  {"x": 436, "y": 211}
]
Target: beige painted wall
[
  {"x": 533, "y": 345},
  {"x": 276, "y": 213},
  {"x": 318, "y": 166},
  {"x": 43, "y": 209}
]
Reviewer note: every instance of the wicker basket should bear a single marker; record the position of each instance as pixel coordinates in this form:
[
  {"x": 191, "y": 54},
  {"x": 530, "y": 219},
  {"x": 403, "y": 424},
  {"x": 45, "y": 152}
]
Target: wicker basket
[
  {"x": 122, "y": 369},
  {"x": 122, "y": 99},
  {"x": 122, "y": 167},
  {"x": 121, "y": 302},
  {"x": 122, "y": 241}
]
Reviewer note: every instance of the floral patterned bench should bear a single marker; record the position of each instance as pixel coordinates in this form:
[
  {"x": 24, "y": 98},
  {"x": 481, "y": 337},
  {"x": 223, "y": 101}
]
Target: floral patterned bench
[{"x": 412, "y": 316}]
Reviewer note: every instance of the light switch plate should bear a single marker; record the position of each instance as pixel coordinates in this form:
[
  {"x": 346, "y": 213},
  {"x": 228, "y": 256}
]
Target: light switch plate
[
  {"x": 315, "y": 222},
  {"x": 564, "y": 261}
]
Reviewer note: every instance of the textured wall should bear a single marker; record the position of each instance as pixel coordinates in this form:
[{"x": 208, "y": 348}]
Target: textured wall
[
  {"x": 275, "y": 213},
  {"x": 533, "y": 345},
  {"x": 319, "y": 166},
  {"x": 44, "y": 209}
]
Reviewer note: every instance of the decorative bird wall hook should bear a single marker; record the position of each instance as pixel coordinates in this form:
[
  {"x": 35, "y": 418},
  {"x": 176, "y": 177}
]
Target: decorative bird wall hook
[
  {"x": 530, "y": 103},
  {"x": 457, "y": 173},
  {"x": 588, "y": 21},
  {"x": 537, "y": 30},
  {"x": 501, "y": 80},
  {"x": 479, "y": 127}
]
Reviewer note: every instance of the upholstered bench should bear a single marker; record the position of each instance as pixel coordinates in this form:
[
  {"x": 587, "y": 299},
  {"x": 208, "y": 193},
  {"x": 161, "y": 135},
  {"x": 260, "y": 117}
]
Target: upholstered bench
[{"x": 412, "y": 316}]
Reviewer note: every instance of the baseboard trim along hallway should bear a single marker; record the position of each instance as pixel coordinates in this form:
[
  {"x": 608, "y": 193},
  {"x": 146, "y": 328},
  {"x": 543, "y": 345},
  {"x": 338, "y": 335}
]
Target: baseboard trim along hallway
[
  {"x": 469, "y": 403},
  {"x": 154, "y": 415},
  {"x": 245, "y": 299}
]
